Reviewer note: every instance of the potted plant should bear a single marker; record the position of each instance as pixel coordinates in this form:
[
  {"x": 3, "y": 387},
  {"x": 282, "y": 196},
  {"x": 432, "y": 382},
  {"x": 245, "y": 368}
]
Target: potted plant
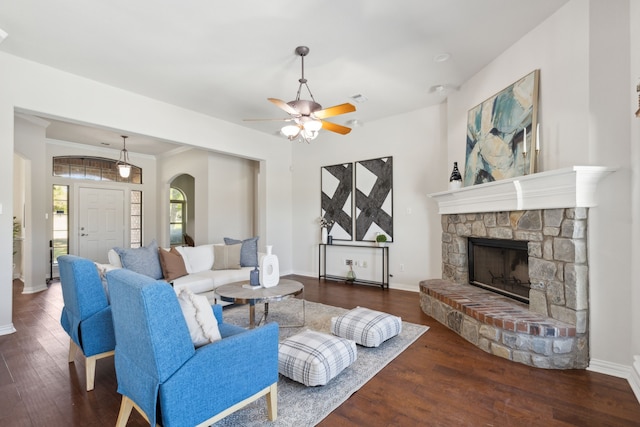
[{"x": 381, "y": 239}]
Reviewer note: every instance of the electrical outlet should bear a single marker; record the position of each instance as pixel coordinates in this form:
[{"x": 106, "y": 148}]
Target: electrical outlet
[
  {"x": 401, "y": 267},
  {"x": 364, "y": 264},
  {"x": 348, "y": 262}
]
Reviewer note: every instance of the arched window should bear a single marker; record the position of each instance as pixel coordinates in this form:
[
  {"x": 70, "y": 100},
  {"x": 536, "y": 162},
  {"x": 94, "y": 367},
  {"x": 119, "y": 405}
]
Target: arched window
[
  {"x": 177, "y": 215},
  {"x": 93, "y": 168}
]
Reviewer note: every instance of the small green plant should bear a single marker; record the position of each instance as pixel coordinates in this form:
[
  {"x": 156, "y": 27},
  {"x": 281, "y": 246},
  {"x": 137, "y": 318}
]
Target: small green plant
[
  {"x": 16, "y": 227},
  {"x": 381, "y": 238}
]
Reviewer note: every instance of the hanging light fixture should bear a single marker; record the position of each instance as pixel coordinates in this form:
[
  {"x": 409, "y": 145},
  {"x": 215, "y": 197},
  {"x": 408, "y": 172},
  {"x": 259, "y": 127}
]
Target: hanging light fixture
[{"x": 124, "y": 168}]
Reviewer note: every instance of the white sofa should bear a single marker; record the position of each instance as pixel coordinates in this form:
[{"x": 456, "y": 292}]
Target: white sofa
[{"x": 201, "y": 277}]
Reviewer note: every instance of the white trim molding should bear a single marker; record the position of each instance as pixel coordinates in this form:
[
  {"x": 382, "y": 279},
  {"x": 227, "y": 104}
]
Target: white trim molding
[
  {"x": 609, "y": 368},
  {"x": 561, "y": 188},
  {"x": 629, "y": 373},
  {"x": 634, "y": 378},
  {"x": 7, "y": 329}
]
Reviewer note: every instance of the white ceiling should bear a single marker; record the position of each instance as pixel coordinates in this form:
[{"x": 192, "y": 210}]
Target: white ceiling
[{"x": 224, "y": 59}]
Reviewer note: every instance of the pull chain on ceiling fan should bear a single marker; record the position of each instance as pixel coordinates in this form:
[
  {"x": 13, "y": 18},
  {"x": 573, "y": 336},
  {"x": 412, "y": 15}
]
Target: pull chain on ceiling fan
[{"x": 307, "y": 116}]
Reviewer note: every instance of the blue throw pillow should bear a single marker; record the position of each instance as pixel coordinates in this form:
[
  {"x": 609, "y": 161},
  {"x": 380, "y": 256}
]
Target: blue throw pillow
[
  {"x": 144, "y": 260},
  {"x": 249, "y": 251}
]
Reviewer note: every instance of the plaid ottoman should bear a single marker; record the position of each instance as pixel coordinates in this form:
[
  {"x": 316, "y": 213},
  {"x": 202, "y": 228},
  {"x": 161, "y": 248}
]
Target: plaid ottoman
[
  {"x": 369, "y": 328},
  {"x": 313, "y": 358}
]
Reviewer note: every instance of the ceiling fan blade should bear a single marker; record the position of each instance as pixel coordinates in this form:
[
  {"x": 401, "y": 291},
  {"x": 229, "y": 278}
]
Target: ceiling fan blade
[
  {"x": 288, "y": 119},
  {"x": 334, "y": 111},
  {"x": 283, "y": 105},
  {"x": 343, "y": 130}
]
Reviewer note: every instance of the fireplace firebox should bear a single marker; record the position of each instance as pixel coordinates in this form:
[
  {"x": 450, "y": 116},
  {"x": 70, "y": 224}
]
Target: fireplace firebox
[{"x": 501, "y": 266}]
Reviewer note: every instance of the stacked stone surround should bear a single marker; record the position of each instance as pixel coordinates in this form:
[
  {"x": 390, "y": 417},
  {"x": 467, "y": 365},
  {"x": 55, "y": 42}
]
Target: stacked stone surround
[{"x": 558, "y": 271}]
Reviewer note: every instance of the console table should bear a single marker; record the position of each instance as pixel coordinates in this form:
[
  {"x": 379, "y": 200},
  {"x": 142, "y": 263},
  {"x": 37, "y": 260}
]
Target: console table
[{"x": 384, "y": 253}]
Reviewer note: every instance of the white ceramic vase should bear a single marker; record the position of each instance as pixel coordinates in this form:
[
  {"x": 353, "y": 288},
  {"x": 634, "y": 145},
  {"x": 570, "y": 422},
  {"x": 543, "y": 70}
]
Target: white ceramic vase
[
  {"x": 324, "y": 234},
  {"x": 269, "y": 269}
]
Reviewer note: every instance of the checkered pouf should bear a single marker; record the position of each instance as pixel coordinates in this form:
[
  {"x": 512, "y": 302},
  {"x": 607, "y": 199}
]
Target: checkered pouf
[
  {"x": 313, "y": 358},
  {"x": 369, "y": 328}
]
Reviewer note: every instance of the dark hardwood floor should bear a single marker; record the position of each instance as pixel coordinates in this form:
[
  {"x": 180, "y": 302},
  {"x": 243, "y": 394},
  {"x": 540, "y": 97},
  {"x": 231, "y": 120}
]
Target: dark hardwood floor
[{"x": 440, "y": 380}]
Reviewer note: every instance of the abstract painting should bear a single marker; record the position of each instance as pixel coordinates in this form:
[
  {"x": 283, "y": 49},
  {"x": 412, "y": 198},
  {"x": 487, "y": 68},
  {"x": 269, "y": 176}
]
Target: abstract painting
[
  {"x": 374, "y": 198},
  {"x": 336, "y": 183},
  {"x": 501, "y": 133}
]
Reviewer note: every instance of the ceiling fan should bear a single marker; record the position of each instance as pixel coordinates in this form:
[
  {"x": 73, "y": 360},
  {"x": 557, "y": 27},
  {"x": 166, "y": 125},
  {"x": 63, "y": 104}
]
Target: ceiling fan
[{"x": 307, "y": 117}]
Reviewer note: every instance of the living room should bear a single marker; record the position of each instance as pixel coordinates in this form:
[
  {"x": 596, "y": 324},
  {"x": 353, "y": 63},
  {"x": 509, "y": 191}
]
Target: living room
[{"x": 581, "y": 95}]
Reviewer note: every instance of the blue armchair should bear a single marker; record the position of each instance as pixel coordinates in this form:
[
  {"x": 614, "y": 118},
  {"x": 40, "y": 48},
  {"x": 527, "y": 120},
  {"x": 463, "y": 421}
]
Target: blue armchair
[
  {"x": 165, "y": 378},
  {"x": 86, "y": 315}
]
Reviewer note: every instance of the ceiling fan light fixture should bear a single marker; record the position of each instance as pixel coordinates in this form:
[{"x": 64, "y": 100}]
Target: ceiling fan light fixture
[
  {"x": 309, "y": 135},
  {"x": 312, "y": 125},
  {"x": 290, "y": 131}
]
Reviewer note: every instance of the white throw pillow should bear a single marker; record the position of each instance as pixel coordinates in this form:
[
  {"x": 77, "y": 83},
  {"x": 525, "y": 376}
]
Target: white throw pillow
[
  {"x": 198, "y": 258},
  {"x": 202, "y": 323}
]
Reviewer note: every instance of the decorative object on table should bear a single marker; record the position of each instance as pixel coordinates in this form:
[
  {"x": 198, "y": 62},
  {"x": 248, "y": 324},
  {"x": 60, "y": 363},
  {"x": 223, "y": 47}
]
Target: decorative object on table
[
  {"x": 254, "y": 277},
  {"x": 336, "y": 183},
  {"x": 325, "y": 226},
  {"x": 500, "y": 131},
  {"x": 351, "y": 275},
  {"x": 381, "y": 239},
  {"x": 269, "y": 269},
  {"x": 374, "y": 198},
  {"x": 455, "y": 180}
]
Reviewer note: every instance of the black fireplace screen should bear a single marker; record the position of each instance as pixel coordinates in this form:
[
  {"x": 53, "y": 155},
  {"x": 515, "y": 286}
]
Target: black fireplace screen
[{"x": 501, "y": 266}]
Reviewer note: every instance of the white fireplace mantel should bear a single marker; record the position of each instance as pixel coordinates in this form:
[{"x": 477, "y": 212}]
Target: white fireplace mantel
[{"x": 561, "y": 188}]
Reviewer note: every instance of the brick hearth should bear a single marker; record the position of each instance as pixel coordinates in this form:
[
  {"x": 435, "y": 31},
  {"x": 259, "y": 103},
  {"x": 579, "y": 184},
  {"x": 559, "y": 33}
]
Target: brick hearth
[{"x": 499, "y": 325}]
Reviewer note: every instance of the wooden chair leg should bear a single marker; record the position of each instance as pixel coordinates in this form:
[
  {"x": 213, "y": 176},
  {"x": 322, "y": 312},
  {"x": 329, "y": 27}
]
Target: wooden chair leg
[
  {"x": 90, "y": 371},
  {"x": 125, "y": 411},
  {"x": 73, "y": 349},
  {"x": 272, "y": 402}
]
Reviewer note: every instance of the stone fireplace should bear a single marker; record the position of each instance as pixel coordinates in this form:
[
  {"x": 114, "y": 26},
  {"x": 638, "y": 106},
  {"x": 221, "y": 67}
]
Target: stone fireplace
[{"x": 548, "y": 214}]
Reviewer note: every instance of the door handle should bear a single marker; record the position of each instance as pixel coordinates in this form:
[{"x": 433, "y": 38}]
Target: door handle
[{"x": 83, "y": 234}]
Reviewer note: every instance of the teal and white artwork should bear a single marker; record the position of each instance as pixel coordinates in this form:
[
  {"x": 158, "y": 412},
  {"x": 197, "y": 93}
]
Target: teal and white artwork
[{"x": 502, "y": 140}]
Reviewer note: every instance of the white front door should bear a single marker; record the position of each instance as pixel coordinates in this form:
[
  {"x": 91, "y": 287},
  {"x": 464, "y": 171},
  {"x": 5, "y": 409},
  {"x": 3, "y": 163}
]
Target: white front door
[{"x": 100, "y": 223}]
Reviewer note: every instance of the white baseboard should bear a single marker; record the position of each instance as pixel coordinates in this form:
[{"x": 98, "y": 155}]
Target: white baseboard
[
  {"x": 34, "y": 289},
  {"x": 634, "y": 378},
  {"x": 609, "y": 368},
  {"x": 7, "y": 329},
  {"x": 629, "y": 373},
  {"x": 404, "y": 287}
]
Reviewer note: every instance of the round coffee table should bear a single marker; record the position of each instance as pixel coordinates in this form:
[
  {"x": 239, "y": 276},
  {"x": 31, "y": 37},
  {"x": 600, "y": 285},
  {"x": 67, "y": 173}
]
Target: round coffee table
[{"x": 241, "y": 293}]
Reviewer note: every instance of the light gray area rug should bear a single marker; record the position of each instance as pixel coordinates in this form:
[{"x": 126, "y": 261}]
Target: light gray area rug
[{"x": 299, "y": 405}]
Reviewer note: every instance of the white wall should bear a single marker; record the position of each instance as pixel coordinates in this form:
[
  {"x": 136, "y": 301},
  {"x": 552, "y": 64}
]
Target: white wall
[
  {"x": 224, "y": 193},
  {"x": 30, "y": 87},
  {"x": 416, "y": 142},
  {"x": 29, "y": 144},
  {"x": 584, "y": 120},
  {"x": 634, "y": 53}
]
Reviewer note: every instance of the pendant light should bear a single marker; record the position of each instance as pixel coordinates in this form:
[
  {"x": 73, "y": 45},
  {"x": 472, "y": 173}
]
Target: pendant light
[{"x": 124, "y": 168}]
